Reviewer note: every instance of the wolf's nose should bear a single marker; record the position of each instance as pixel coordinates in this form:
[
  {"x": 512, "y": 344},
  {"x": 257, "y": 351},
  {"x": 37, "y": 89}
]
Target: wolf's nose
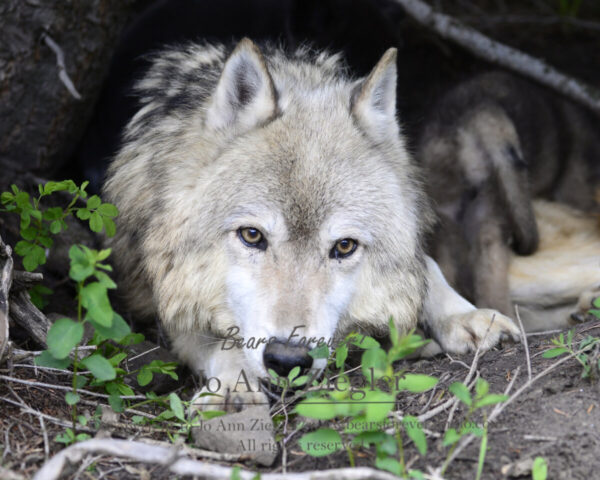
[{"x": 283, "y": 356}]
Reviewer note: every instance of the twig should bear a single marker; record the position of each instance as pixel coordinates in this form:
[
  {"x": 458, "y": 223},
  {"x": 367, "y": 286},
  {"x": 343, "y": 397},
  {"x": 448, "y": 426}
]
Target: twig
[
  {"x": 524, "y": 340},
  {"x": 60, "y": 387},
  {"x": 183, "y": 465},
  {"x": 45, "y": 435},
  {"x": 60, "y": 63},
  {"x": 498, "y": 53}
]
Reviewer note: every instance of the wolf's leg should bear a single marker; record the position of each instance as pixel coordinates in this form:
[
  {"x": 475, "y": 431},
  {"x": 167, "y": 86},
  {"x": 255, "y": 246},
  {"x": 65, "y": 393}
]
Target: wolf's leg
[
  {"x": 456, "y": 324},
  {"x": 228, "y": 384}
]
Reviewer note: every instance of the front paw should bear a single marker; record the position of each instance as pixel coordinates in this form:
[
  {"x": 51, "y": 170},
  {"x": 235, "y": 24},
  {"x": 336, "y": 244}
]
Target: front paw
[
  {"x": 586, "y": 302},
  {"x": 226, "y": 400},
  {"x": 481, "y": 328}
]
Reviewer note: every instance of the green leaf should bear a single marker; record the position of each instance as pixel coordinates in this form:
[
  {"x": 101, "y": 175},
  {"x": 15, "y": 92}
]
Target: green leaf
[
  {"x": 100, "y": 367},
  {"x": 116, "y": 403},
  {"x": 389, "y": 464},
  {"x": 45, "y": 359},
  {"x": 482, "y": 387},
  {"x": 320, "y": 408},
  {"x": 451, "y": 437},
  {"x": 416, "y": 382},
  {"x": 83, "y": 213},
  {"x": 144, "y": 376},
  {"x": 374, "y": 362},
  {"x": 117, "y": 331},
  {"x": 62, "y": 337},
  {"x": 118, "y": 358},
  {"x": 94, "y": 298},
  {"x": 539, "y": 471},
  {"x": 416, "y": 474},
  {"x": 414, "y": 430},
  {"x": 103, "y": 254},
  {"x": 321, "y": 351},
  {"x": 108, "y": 210},
  {"x": 71, "y": 398},
  {"x": 555, "y": 352},
  {"x": 109, "y": 226},
  {"x": 55, "y": 227},
  {"x": 177, "y": 406},
  {"x": 461, "y": 392},
  {"x": 377, "y": 405},
  {"x": 293, "y": 373},
  {"x": 491, "y": 399},
  {"x": 96, "y": 222},
  {"x": 362, "y": 341},
  {"x": 93, "y": 202},
  {"x": 132, "y": 339},
  {"x": 321, "y": 442},
  {"x": 341, "y": 353}
]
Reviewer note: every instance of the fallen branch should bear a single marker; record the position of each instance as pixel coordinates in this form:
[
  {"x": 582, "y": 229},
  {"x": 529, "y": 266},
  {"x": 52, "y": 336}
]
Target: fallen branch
[
  {"x": 180, "y": 464},
  {"x": 6, "y": 270},
  {"x": 503, "y": 55}
]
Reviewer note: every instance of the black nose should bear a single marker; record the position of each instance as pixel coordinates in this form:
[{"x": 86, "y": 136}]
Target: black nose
[{"x": 283, "y": 356}]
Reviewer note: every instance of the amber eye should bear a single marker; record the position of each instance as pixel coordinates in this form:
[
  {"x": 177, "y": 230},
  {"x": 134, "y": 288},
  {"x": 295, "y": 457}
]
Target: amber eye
[
  {"x": 343, "y": 248},
  {"x": 252, "y": 237}
]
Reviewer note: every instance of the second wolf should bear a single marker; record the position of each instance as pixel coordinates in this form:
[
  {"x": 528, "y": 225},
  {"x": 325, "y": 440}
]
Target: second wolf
[{"x": 490, "y": 147}]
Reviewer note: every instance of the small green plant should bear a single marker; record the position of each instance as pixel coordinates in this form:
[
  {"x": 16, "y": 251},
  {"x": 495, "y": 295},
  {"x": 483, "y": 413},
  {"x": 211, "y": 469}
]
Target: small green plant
[
  {"x": 481, "y": 399},
  {"x": 38, "y": 223},
  {"x": 365, "y": 409},
  {"x": 596, "y": 310},
  {"x": 539, "y": 471},
  {"x": 588, "y": 356}
]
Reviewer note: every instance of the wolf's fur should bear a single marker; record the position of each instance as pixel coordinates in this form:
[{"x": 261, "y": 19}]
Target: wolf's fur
[
  {"x": 288, "y": 144},
  {"x": 490, "y": 146}
]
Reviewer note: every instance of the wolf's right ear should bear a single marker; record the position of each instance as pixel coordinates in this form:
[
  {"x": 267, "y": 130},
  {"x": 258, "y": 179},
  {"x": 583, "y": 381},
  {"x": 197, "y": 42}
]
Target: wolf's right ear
[
  {"x": 373, "y": 101},
  {"x": 245, "y": 94}
]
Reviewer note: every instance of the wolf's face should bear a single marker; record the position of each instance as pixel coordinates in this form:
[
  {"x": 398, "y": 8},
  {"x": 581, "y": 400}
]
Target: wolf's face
[{"x": 312, "y": 216}]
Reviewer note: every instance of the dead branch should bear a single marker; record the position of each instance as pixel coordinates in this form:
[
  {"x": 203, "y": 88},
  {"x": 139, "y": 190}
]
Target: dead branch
[
  {"x": 178, "y": 463},
  {"x": 495, "y": 52},
  {"x": 6, "y": 270},
  {"x": 27, "y": 315}
]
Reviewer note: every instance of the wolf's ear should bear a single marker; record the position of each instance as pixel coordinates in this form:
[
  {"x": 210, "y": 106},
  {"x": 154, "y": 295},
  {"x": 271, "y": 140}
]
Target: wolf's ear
[
  {"x": 374, "y": 99},
  {"x": 245, "y": 94}
]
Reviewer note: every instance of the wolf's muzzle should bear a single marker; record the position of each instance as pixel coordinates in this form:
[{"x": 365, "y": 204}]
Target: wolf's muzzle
[{"x": 282, "y": 356}]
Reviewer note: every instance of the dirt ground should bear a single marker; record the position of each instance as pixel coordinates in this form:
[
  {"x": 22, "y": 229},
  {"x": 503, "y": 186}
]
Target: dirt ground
[{"x": 557, "y": 418}]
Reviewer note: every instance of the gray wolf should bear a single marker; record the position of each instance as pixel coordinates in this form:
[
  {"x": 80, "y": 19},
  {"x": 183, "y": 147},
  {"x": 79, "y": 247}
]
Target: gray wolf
[
  {"x": 514, "y": 170},
  {"x": 269, "y": 193}
]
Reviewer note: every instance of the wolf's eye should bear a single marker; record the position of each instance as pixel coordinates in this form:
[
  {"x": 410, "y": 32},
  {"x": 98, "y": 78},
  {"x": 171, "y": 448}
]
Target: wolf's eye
[
  {"x": 343, "y": 248},
  {"x": 252, "y": 237}
]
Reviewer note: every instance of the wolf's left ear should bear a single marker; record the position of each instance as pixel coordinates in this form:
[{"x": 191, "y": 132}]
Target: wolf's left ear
[
  {"x": 245, "y": 94},
  {"x": 373, "y": 102}
]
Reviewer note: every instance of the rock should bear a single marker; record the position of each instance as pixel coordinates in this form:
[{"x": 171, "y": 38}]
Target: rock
[
  {"x": 519, "y": 468},
  {"x": 249, "y": 432}
]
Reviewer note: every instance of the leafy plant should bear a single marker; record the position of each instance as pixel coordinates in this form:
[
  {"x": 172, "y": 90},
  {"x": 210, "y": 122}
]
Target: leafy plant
[
  {"x": 38, "y": 223},
  {"x": 366, "y": 409},
  {"x": 588, "y": 355},
  {"x": 481, "y": 399}
]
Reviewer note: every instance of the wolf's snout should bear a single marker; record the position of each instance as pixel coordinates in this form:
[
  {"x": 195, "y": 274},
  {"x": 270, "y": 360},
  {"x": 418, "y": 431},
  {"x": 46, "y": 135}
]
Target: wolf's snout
[{"x": 283, "y": 356}]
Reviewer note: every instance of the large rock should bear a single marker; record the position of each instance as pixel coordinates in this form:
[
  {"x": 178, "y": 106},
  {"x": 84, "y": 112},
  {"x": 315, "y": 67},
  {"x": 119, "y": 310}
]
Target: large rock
[{"x": 249, "y": 432}]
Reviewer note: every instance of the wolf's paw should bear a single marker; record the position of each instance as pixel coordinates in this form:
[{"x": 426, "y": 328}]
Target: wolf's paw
[
  {"x": 230, "y": 402},
  {"x": 584, "y": 304},
  {"x": 482, "y": 328}
]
